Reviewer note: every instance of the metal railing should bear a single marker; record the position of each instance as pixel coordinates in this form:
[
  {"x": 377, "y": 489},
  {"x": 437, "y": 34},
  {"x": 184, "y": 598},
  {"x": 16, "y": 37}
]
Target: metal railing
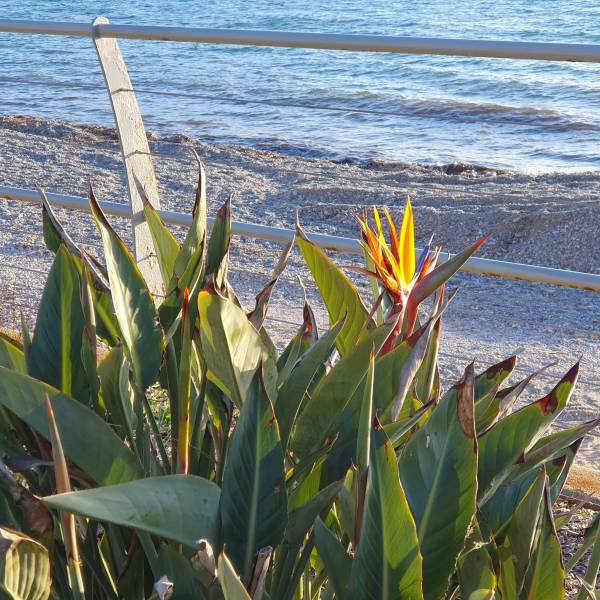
[{"x": 358, "y": 43}]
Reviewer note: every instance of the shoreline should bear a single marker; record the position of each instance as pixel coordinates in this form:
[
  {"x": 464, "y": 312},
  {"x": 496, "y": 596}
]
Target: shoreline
[{"x": 549, "y": 219}]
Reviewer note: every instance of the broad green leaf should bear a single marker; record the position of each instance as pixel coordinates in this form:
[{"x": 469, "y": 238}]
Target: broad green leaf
[
  {"x": 364, "y": 422},
  {"x": 500, "y": 508},
  {"x": 389, "y": 372},
  {"x": 431, "y": 282},
  {"x": 258, "y": 314},
  {"x": 491, "y": 379},
  {"x": 438, "y": 468},
  {"x": 24, "y": 567},
  {"x": 231, "y": 347},
  {"x": 253, "y": 498},
  {"x": 54, "y": 236},
  {"x": 425, "y": 379},
  {"x": 547, "y": 447},
  {"x": 116, "y": 392},
  {"x": 546, "y": 577},
  {"x": 187, "y": 581},
  {"x": 507, "y": 582},
  {"x": 197, "y": 232},
  {"x": 133, "y": 304},
  {"x": 87, "y": 440},
  {"x": 475, "y": 567},
  {"x": 487, "y": 401},
  {"x": 502, "y": 445},
  {"x": 388, "y": 563},
  {"x": 173, "y": 302},
  {"x": 339, "y": 294},
  {"x": 328, "y": 399},
  {"x": 183, "y": 508},
  {"x": 293, "y": 389},
  {"x": 217, "y": 253},
  {"x": 302, "y": 519},
  {"x": 523, "y": 526},
  {"x": 165, "y": 244},
  {"x": 55, "y": 356},
  {"x": 397, "y": 431},
  {"x": 11, "y": 356},
  {"x": 231, "y": 585},
  {"x": 338, "y": 563}
]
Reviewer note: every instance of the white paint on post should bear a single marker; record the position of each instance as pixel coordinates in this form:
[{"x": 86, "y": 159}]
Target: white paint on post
[{"x": 135, "y": 150}]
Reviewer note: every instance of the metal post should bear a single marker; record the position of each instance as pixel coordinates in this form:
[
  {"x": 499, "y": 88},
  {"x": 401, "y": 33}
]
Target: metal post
[{"x": 135, "y": 150}]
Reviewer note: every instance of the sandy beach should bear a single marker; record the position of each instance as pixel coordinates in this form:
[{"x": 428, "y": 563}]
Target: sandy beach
[{"x": 550, "y": 219}]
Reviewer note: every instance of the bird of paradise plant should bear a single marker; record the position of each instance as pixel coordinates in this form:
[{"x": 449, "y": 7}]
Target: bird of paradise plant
[{"x": 404, "y": 281}]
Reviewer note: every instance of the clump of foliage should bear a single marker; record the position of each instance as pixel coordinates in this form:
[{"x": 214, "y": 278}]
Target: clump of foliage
[{"x": 337, "y": 468}]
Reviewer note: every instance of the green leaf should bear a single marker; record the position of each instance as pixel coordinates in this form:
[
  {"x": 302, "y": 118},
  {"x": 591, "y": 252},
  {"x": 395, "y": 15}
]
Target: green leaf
[
  {"x": 488, "y": 382},
  {"x": 187, "y": 581},
  {"x": 217, "y": 254},
  {"x": 524, "y": 526},
  {"x": 425, "y": 380},
  {"x": 165, "y": 244},
  {"x": 89, "y": 346},
  {"x": 11, "y": 356},
  {"x": 294, "y": 388},
  {"x": 338, "y": 563},
  {"x": 339, "y": 294},
  {"x": 546, "y": 576},
  {"x": 431, "y": 282},
  {"x": 438, "y": 468},
  {"x": 499, "y": 510},
  {"x": 388, "y": 563},
  {"x": 364, "y": 422},
  {"x": 328, "y": 399},
  {"x": 389, "y": 371},
  {"x": 87, "y": 440},
  {"x": 231, "y": 347},
  {"x": 133, "y": 304},
  {"x": 55, "y": 356},
  {"x": 507, "y": 583},
  {"x": 233, "y": 588},
  {"x": 551, "y": 445},
  {"x": 24, "y": 567},
  {"x": 197, "y": 232},
  {"x": 116, "y": 393},
  {"x": 475, "y": 567},
  {"x": 302, "y": 519},
  {"x": 502, "y": 445},
  {"x": 254, "y": 499},
  {"x": 182, "y": 508}
]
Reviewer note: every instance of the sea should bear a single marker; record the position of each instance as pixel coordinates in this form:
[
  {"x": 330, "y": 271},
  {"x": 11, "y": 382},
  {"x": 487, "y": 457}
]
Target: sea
[{"x": 527, "y": 116}]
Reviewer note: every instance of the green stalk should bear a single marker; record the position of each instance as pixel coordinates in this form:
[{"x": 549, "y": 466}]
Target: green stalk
[
  {"x": 88, "y": 350},
  {"x": 183, "y": 406},
  {"x": 63, "y": 485},
  {"x": 294, "y": 580},
  {"x": 172, "y": 371}
]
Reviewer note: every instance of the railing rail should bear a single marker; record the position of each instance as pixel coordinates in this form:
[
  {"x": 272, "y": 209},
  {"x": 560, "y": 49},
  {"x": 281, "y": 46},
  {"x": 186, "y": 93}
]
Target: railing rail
[
  {"x": 320, "y": 41},
  {"x": 479, "y": 266}
]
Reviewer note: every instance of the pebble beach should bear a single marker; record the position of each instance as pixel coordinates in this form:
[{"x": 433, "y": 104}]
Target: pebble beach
[{"x": 545, "y": 219}]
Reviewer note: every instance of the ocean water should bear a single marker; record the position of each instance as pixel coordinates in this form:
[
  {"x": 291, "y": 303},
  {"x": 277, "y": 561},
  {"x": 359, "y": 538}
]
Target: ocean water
[{"x": 525, "y": 115}]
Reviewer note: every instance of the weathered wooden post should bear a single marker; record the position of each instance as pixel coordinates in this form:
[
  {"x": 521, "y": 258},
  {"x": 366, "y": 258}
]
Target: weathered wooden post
[{"x": 135, "y": 150}]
